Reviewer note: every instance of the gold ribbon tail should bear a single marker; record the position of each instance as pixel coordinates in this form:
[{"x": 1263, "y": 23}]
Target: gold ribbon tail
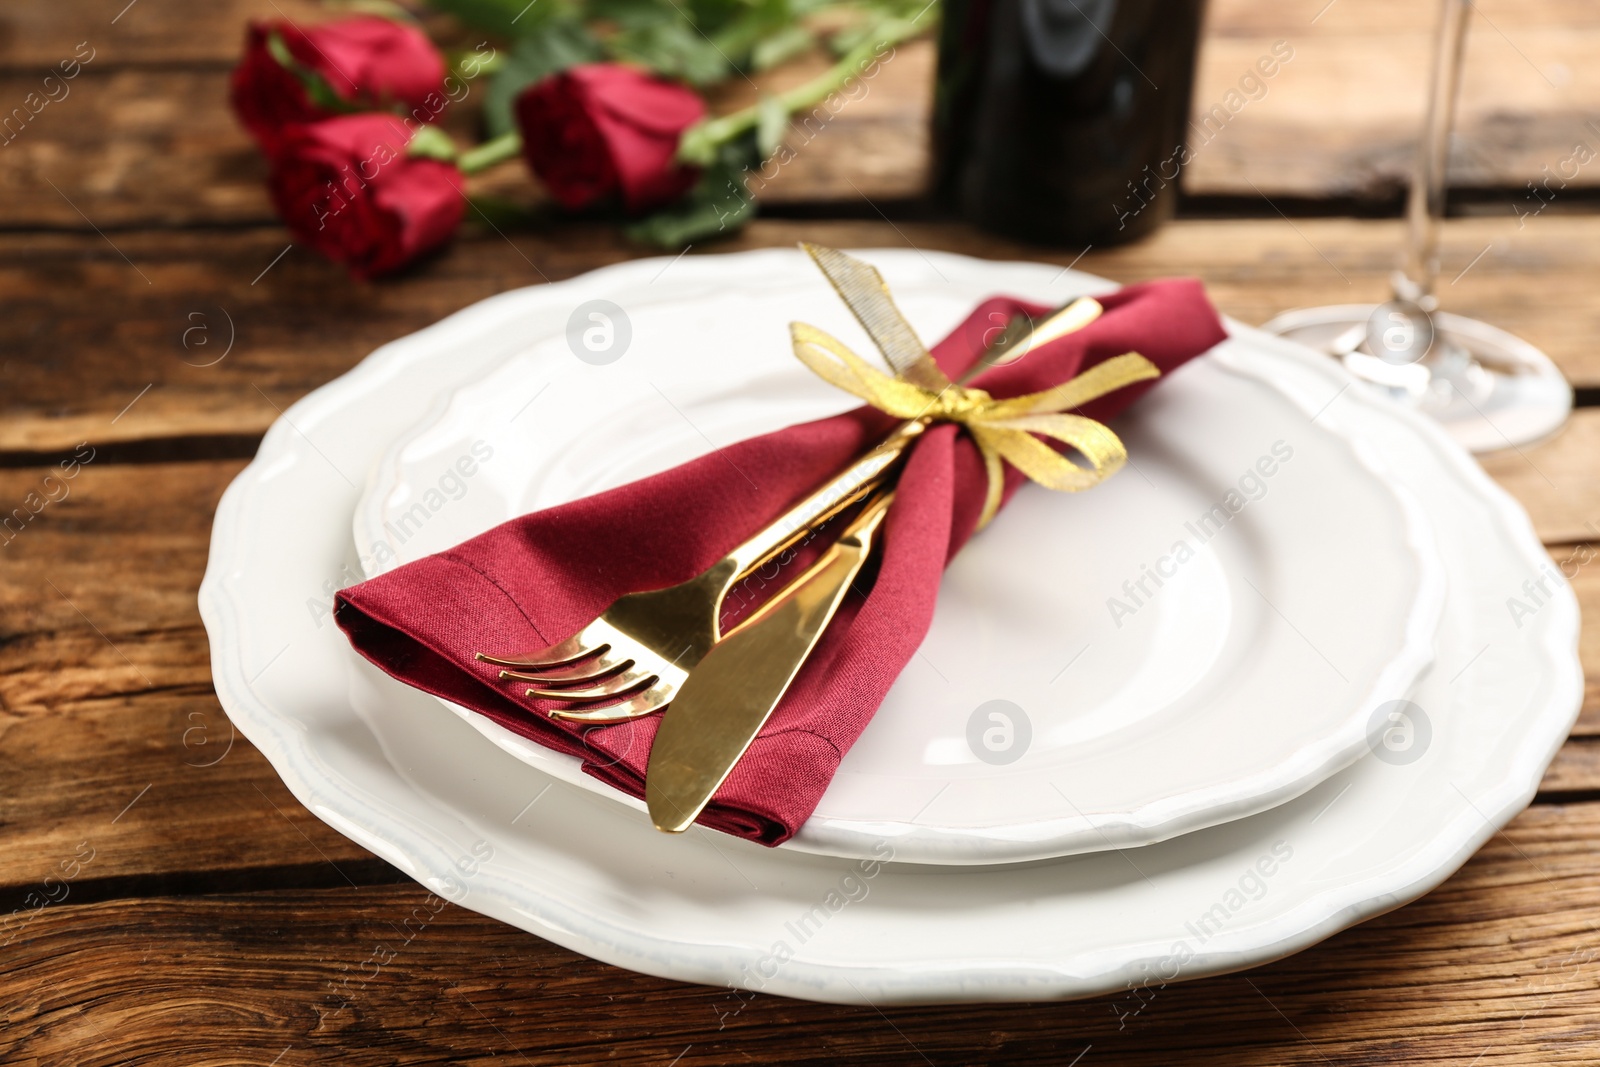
[{"x": 1005, "y": 431}]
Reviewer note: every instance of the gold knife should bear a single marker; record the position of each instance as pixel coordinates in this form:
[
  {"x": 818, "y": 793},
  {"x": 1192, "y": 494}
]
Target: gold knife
[{"x": 731, "y": 692}]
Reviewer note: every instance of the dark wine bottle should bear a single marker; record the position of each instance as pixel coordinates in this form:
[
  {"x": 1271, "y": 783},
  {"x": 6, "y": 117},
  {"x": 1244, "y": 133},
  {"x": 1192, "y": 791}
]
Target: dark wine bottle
[{"x": 1064, "y": 121}]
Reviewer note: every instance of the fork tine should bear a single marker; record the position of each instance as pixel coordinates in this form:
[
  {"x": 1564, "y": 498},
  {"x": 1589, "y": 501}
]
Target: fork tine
[
  {"x": 567, "y": 652},
  {"x": 566, "y": 679},
  {"x": 614, "y": 686},
  {"x": 589, "y": 670},
  {"x": 641, "y": 703}
]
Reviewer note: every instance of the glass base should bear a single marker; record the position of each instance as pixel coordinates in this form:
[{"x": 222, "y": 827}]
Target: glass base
[{"x": 1488, "y": 388}]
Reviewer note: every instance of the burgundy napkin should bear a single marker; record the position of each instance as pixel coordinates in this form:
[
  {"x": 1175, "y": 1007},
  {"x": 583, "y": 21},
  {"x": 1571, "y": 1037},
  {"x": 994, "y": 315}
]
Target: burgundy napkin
[{"x": 538, "y": 579}]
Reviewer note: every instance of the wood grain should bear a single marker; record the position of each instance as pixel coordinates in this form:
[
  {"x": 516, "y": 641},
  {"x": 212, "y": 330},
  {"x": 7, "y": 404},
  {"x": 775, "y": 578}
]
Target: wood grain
[
  {"x": 216, "y": 921},
  {"x": 141, "y": 146},
  {"x": 106, "y": 701},
  {"x": 105, "y": 690},
  {"x": 164, "y": 305},
  {"x": 1581, "y": 564},
  {"x": 144, "y": 137},
  {"x": 1495, "y": 968},
  {"x": 1576, "y": 770},
  {"x": 129, "y": 147},
  {"x": 37, "y": 36},
  {"x": 1341, "y": 118},
  {"x": 1556, "y": 479},
  {"x": 33, "y": 36}
]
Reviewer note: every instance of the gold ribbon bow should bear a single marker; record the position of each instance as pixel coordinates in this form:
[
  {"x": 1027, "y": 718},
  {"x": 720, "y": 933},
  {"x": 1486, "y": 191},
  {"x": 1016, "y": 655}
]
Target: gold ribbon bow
[{"x": 1002, "y": 429}]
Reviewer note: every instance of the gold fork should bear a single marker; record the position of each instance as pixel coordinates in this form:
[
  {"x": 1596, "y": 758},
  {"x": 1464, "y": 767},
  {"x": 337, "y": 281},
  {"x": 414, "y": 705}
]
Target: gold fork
[
  {"x": 645, "y": 644},
  {"x": 640, "y": 651}
]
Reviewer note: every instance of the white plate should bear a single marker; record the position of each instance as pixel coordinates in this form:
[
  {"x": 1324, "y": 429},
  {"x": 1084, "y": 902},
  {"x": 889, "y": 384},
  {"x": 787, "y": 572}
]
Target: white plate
[
  {"x": 377, "y": 761},
  {"x": 1275, "y": 632}
]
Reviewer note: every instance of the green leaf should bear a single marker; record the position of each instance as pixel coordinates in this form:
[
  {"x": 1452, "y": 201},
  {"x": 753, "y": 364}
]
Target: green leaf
[
  {"x": 557, "y": 46},
  {"x": 631, "y": 14},
  {"x": 316, "y": 87},
  {"x": 704, "y": 41},
  {"x": 719, "y": 204},
  {"x": 772, "y": 123},
  {"x": 504, "y": 18},
  {"x": 713, "y": 16},
  {"x": 882, "y": 14},
  {"x": 847, "y": 38},
  {"x": 673, "y": 49},
  {"x": 784, "y": 44}
]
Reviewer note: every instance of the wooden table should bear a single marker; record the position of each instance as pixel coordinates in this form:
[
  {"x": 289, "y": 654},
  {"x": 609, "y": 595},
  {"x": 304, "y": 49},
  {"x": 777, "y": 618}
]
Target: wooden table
[{"x": 209, "y": 917}]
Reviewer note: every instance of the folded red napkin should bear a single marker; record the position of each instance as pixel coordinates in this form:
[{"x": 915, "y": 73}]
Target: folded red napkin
[{"x": 538, "y": 579}]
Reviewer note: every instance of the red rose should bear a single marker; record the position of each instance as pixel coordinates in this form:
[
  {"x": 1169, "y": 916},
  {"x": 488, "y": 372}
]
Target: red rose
[
  {"x": 368, "y": 62},
  {"x": 346, "y": 187},
  {"x": 599, "y": 129}
]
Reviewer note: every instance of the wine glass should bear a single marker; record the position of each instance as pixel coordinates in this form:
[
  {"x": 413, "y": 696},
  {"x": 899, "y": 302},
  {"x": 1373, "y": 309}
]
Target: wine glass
[{"x": 1488, "y": 388}]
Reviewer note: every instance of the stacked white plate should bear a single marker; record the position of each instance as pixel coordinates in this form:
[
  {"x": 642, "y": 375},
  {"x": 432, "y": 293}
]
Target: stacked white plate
[{"x": 1258, "y": 687}]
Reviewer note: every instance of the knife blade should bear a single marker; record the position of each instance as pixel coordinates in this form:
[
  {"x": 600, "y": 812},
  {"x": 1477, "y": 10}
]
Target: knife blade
[{"x": 730, "y": 694}]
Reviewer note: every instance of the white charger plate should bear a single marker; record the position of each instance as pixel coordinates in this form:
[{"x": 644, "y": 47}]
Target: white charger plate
[
  {"x": 1266, "y": 652},
  {"x": 377, "y": 761}
]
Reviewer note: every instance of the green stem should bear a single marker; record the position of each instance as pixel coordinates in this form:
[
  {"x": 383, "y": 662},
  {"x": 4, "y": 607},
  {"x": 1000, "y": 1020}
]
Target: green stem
[
  {"x": 490, "y": 153},
  {"x": 700, "y": 142}
]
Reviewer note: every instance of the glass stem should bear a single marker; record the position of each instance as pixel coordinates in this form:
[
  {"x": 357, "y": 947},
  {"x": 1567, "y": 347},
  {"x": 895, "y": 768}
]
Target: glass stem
[{"x": 1426, "y": 202}]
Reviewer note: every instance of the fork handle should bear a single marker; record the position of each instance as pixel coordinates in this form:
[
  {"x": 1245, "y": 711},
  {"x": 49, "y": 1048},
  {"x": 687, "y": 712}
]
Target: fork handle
[{"x": 837, "y": 494}]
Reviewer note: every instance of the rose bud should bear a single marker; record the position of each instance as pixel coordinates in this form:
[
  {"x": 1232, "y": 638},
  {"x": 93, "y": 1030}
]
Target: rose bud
[
  {"x": 365, "y": 61},
  {"x": 598, "y": 130},
  {"x": 346, "y": 187}
]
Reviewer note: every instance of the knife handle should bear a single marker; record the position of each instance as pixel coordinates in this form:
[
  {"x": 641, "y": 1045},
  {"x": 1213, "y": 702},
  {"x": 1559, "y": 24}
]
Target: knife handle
[
  {"x": 857, "y": 480},
  {"x": 732, "y": 692}
]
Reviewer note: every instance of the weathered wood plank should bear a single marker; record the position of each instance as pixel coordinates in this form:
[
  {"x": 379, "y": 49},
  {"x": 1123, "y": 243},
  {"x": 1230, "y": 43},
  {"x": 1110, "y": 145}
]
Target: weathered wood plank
[
  {"x": 73, "y": 363},
  {"x": 1341, "y": 118},
  {"x": 163, "y": 788},
  {"x": 106, "y": 701},
  {"x": 153, "y": 792},
  {"x": 121, "y": 548},
  {"x": 1576, "y": 769},
  {"x": 1531, "y": 282},
  {"x": 138, "y": 146},
  {"x": 36, "y": 35},
  {"x": 135, "y": 146},
  {"x": 1495, "y": 967},
  {"x": 137, "y": 141},
  {"x": 1557, "y": 481},
  {"x": 1581, "y": 565},
  {"x": 109, "y": 730}
]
